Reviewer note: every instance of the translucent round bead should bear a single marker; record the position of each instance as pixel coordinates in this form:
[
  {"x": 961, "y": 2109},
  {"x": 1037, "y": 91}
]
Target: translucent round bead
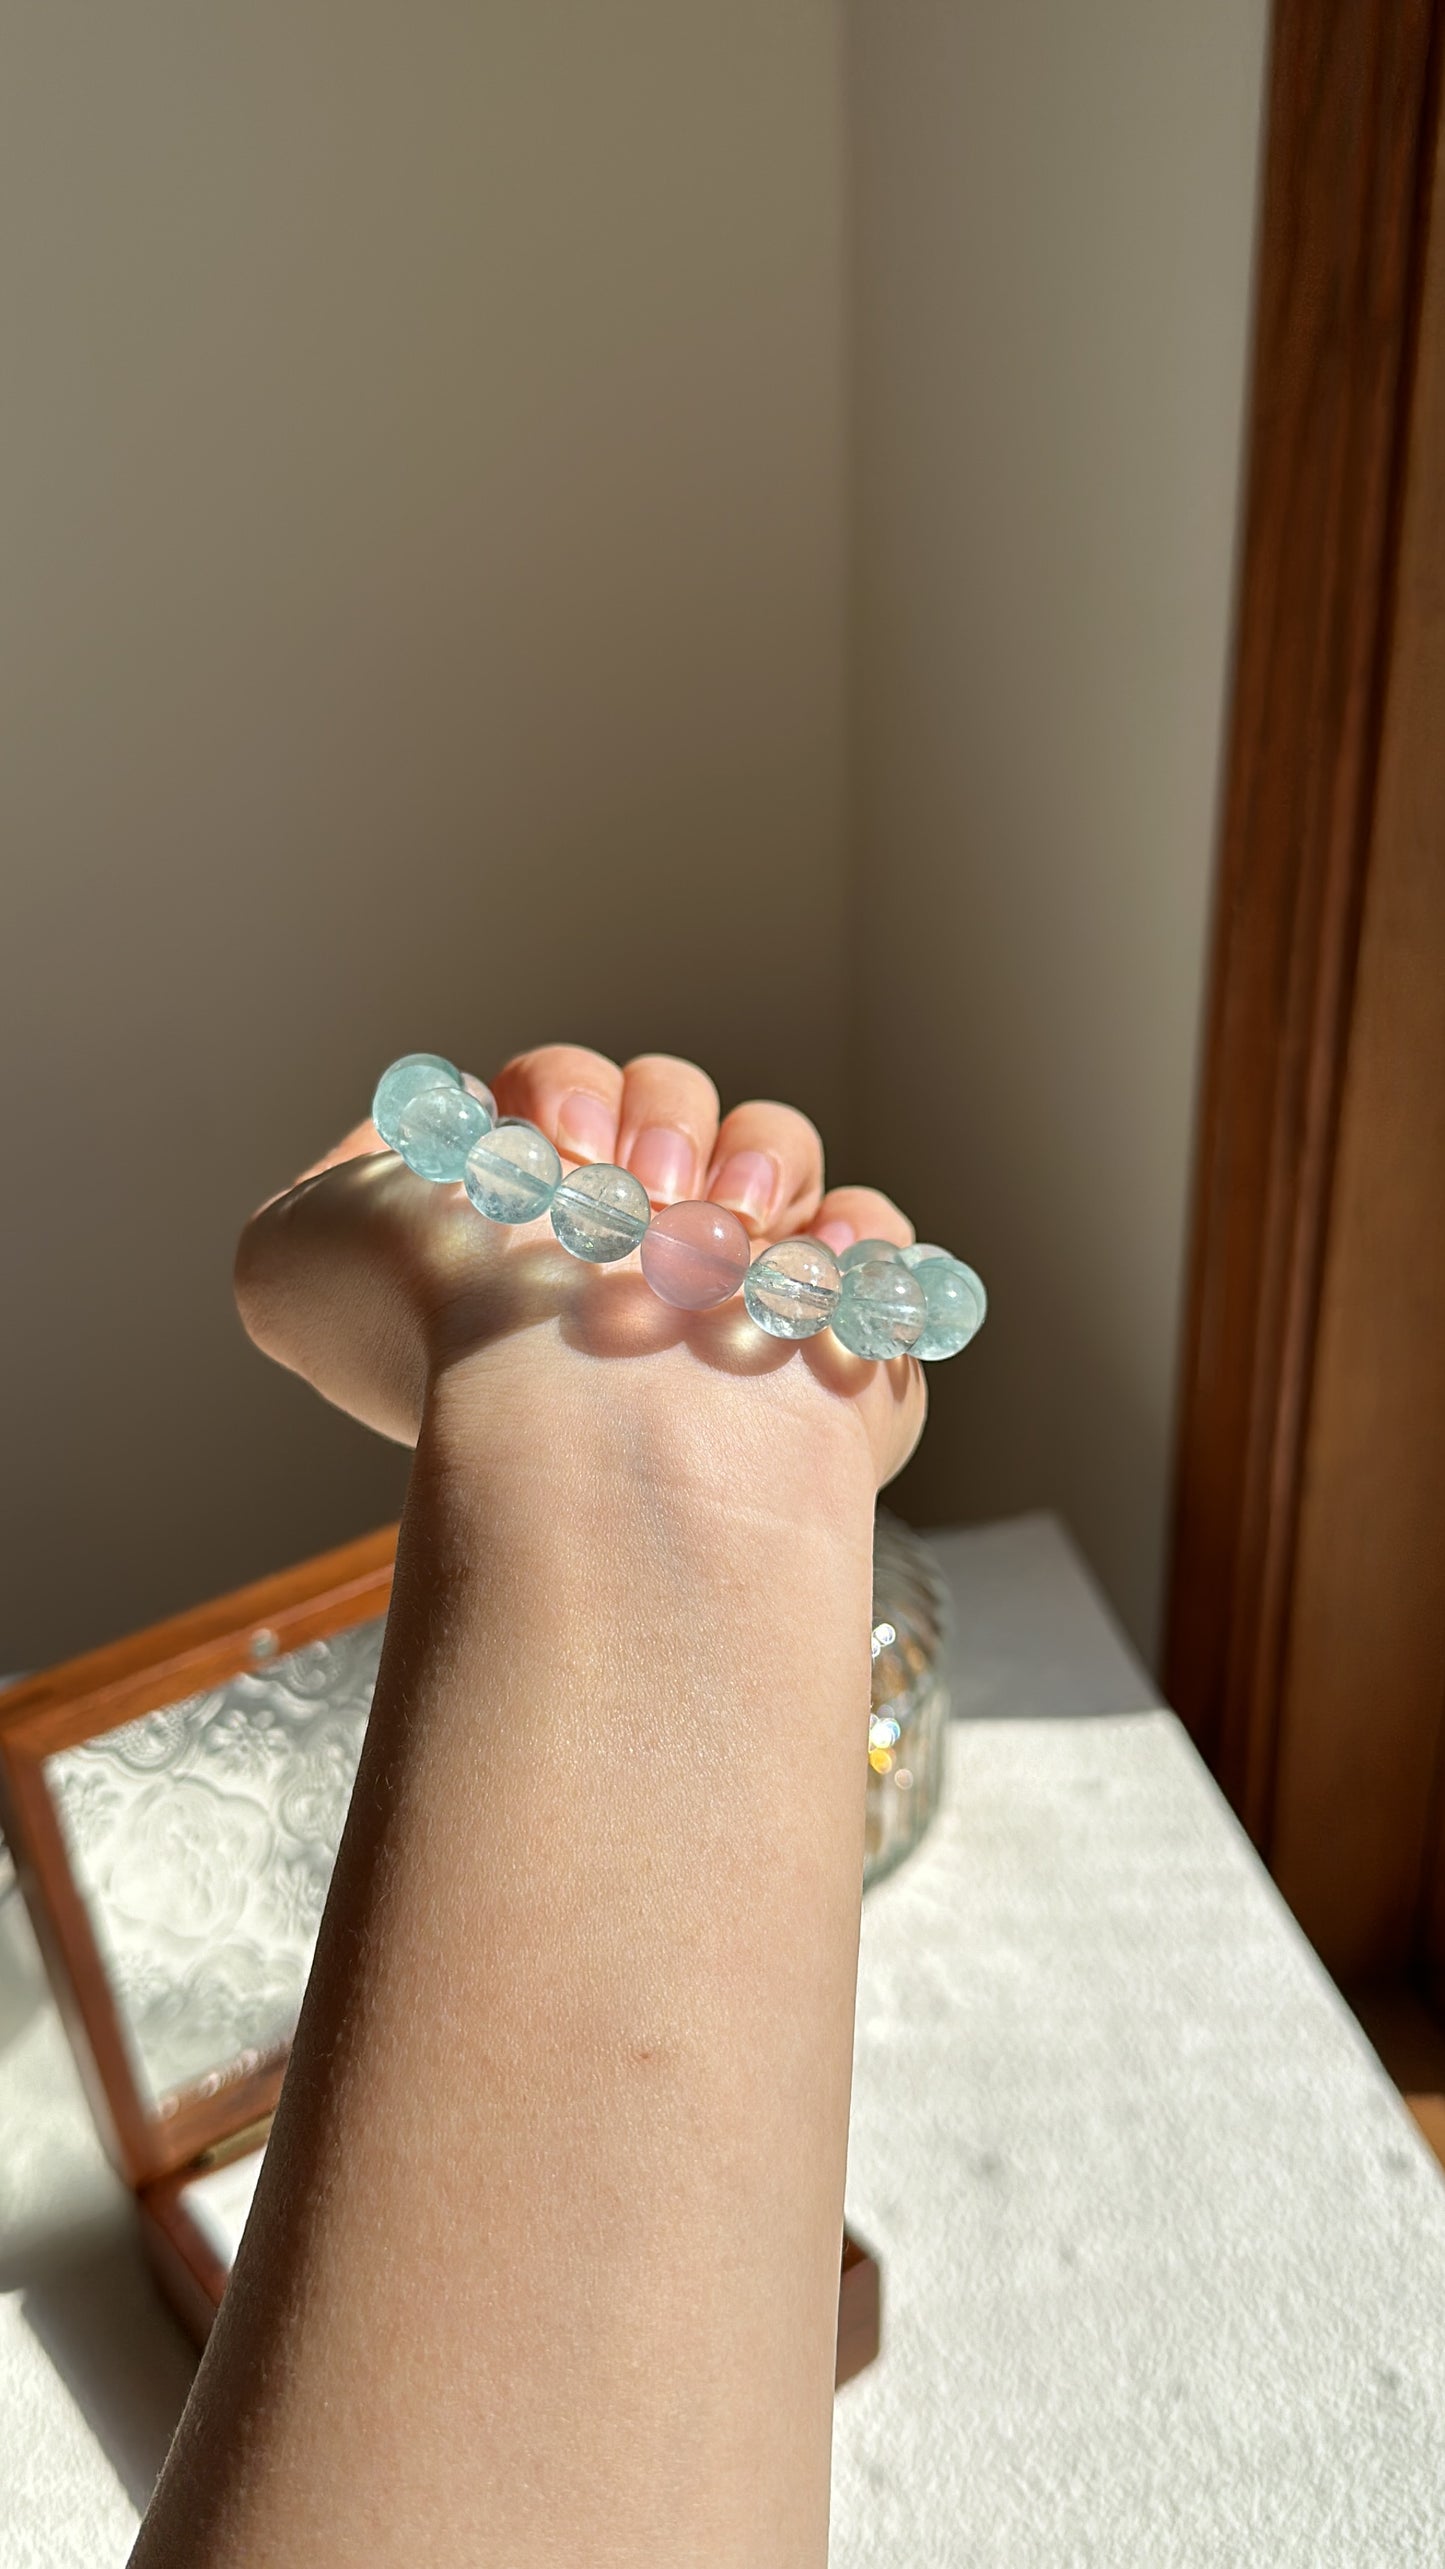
[
  {"x": 406, "y": 1079},
  {"x": 792, "y": 1289},
  {"x": 956, "y": 1305},
  {"x": 695, "y": 1255},
  {"x": 881, "y": 1310},
  {"x": 478, "y": 1089},
  {"x": 512, "y": 1173},
  {"x": 862, "y": 1250},
  {"x": 920, "y": 1253},
  {"x": 600, "y": 1213},
  {"x": 436, "y": 1131}
]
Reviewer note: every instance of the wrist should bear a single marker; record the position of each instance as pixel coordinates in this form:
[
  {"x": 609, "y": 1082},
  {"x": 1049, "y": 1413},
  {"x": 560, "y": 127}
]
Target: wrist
[
  {"x": 601, "y": 1443},
  {"x": 625, "y": 1542}
]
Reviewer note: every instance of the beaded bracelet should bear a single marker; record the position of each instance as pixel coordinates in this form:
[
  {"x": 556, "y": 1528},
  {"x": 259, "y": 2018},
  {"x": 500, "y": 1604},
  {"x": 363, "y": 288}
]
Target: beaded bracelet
[{"x": 880, "y": 1301}]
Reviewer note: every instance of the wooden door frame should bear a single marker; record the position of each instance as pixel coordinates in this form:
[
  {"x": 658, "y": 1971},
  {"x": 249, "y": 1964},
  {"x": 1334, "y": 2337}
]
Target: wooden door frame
[{"x": 1351, "y": 118}]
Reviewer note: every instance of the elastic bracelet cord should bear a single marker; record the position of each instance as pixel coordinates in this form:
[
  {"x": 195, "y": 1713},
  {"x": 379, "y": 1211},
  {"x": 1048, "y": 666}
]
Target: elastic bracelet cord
[{"x": 878, "y": 1300}]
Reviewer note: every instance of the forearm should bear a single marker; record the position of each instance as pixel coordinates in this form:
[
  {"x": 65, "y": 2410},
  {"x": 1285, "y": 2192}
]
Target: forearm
[{"x": 550, "y": 2218}]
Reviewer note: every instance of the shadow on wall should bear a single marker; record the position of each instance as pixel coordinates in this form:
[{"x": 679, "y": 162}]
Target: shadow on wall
[{"x": 424, "y": 629}]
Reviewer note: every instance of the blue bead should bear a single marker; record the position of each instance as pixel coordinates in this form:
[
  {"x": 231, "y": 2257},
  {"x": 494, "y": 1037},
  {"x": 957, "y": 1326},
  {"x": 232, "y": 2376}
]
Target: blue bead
[
  {"x": 792, "y": 1289},
  {"x": 512, "y": 1173},
  {"x": 956, "y": 1307},
  {"x": 881, "y": 1310},
  {"x": 600, "y": 1213},
  {"x": 863, "y": 1250},
  {"x": 919, "y": 1253},
  {"x": 437, "y": 1130},
  {"x": 478, "y": 1089},
  {"x": 406, "y": 1079}
]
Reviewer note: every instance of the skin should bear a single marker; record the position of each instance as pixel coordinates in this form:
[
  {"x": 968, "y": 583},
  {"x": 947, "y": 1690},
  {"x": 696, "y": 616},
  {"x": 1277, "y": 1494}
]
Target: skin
[{"x": 543, "y": 2265}]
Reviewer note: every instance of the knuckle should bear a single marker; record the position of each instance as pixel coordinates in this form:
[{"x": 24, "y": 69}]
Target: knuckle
[
  {"x": 788, "y": 1126},
  {"x": 671, "y": 1070},
  {"x": 548, "y": 1062}
]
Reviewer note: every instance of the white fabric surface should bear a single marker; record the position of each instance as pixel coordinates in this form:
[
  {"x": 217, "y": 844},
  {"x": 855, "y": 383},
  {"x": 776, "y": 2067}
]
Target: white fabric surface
[
  {"x": 1163, "y": 2253},
  {"x": 1164, "y": 2258},
  {"x": 220, "y": 2203},
  {"x": 1033, "y": 1637}
]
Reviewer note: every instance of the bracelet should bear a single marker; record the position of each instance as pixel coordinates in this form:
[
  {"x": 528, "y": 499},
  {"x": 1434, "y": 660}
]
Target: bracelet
[{"x": 879, "y": 1301}]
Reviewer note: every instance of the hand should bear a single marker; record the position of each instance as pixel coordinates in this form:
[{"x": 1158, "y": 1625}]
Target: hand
[{"x": 388, "y": 1294}]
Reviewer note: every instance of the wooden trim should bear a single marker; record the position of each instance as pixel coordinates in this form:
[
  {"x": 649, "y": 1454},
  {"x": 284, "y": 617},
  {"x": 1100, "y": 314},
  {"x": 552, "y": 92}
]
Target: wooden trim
[
  {"x": 1351, "y": 117},
  {"x": 81, "y": 1698},
  {"x": 86, "y": 1697},
  {"x": 1364, "y": 1683},
  {"x": 190, "y": 2274},
  {"x": 206, "y": 2117}
]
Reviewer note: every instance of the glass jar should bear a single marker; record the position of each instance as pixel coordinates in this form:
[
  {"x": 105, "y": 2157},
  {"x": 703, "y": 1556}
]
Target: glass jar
[{"x": 909, "y": 1705}]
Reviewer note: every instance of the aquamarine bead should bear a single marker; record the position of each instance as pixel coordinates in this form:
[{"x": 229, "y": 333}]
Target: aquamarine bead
[
  {"x": 600, "y": 1213},
  {"x": 408, "y": 1078},
  {"x": 436, "y": 1132},
  {"x": 918, "y": 1254},
  {"x": 956, "y": 1306},
  {"x": 512, "y": 1173},
  {"x": 881, "y": 1310},
  {"x": 863, "y": 1250},
  {"x": 792, "y": 1289}
]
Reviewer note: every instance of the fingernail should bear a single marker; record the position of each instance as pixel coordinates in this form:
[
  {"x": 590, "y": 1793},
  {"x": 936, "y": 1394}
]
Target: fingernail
[
  {"x": 666, "y": 1163},
  {"x": 835, "y": 1235},
  {"x": 586, "y": 1129},
  {"x": 746, "y": 1184}
]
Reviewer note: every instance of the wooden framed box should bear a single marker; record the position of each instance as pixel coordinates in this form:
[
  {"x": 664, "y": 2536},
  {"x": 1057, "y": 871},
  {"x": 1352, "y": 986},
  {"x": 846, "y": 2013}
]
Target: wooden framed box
[{"x": 173, "y": 1805}]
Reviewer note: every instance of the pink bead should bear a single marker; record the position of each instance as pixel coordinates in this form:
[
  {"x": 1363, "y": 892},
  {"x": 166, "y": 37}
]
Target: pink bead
[{"x": 695, "y": 1255}]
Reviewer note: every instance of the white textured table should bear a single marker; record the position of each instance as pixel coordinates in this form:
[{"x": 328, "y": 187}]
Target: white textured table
[{"x": 1164, "y": 2255}]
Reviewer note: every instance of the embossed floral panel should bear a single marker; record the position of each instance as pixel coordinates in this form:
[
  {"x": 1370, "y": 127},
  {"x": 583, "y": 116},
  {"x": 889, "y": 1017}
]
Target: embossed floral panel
[{"x": 202, "y": 1838}]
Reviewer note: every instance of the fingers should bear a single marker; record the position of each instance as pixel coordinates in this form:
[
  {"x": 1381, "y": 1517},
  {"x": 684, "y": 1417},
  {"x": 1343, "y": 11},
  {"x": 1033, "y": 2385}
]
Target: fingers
[
  {"x": 659, "y": 1118},
  {"x": 667, "y": 1126},
  {"x": 900, "y": 1393},
  {"x": 767, "y": 1167},
  {"x": 575, "y": 1096},
  {"x": 849, "y": 1213}
]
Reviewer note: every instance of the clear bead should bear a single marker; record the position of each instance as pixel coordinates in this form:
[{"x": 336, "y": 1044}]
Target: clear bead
[
  {"x": 600, "y": 1213},
  {"x": 862, "y": 1251},
  {"x": 405, "y": 1079},
  {"x": 436, "y": 1132},
  {"x": 512, "y": 1173},
  {"x": 792, "y": 1289},
  {"x": 881, "y": 1310},
  {"x": 956, "y": 1307},
  {"x": 478, "y": 1089}
]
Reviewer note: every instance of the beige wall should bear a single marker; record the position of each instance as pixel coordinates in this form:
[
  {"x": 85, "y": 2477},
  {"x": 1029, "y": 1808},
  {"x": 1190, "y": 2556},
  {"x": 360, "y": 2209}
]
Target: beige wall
[
  {"x": 1052, "y": 214},
  {"x": 423, "y": 622},
  {"x": 421, "y": 625}
]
